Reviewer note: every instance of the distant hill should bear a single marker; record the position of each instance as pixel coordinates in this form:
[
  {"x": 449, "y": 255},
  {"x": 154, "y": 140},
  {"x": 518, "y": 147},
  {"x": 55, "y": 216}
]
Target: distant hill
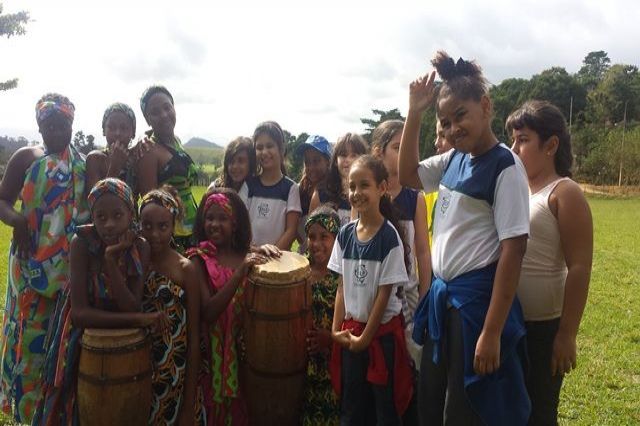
[{"x": 201, "y": 143}]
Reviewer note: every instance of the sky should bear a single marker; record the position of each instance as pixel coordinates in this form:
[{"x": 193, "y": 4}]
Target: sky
[{"x": 314, "y": 69}]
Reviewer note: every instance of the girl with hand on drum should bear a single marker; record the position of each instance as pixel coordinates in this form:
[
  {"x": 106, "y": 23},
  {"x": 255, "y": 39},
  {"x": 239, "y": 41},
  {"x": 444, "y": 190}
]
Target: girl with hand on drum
[
  {"x": 239, "y": 164},
  {"x": 222, "y": 260},
  {"x": 272, "y": 198},
  {"x": 470, "y": 321},
  {"x": 321, "y": 407},
  {"x": 370, "y": 366},
  {"x": 107, "y": 270},
  {"x": 556, "y": 268},
  {"x": 171, "y": 289},
  {"x": 335, "y": 188}
]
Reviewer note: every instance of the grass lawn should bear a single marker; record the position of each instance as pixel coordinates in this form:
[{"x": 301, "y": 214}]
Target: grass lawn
[{"x": 605, "y": 388}]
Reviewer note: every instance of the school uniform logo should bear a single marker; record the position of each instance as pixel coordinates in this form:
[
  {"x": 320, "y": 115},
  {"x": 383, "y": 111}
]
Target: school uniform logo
[
  {"x": 360, "y": 273},
  {"x": 446, "y": 200},
  {"x": 263, "y": 210}
]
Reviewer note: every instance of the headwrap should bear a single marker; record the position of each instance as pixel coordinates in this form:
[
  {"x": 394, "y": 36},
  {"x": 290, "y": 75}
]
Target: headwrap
[
  {"x": 111, "y": 186},
  {"x": 150, "y": 91},
  {"x": 162, "y": 198},
  {"x": 123, "y": 108},
  {"x": 221, "y": 200},
  {"x": 53, "y": 103},
  {"x": 329, "y": 221}
]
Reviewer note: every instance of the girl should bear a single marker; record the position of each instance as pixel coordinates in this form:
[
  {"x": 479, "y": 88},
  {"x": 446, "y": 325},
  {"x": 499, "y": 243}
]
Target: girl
[
  {"x": 171, "y": 289},
  {"x": 321, "y": 406},
  {"x": 166, "y": 161},
  {"x": 370, "y": 364},
  {"x": 479, "y": 237},
  {"x": 316, "y": 152},
  {"x": 222, "y": 261},
  {"x": 557, "y": 264},
  {"x": 239, "y": 164},
  {"x": 271, "y": 197},
  {"x": 107, "y": 270},
  {"x": 119, "y": 128},
  {"x": 335, "y": 189},
  {"x": 49, "y": 180}
]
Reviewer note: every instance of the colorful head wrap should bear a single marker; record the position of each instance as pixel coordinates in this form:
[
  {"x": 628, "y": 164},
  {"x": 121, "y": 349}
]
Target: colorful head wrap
[
  {"x": 150, "y": 91},
  {"x": 326, "y": 218},
  {"x": 123, "y": 108},
  {"x": 111, "y": 186},
  {"x": 54, "y": 103},
  {"x": 162, "y": 198},
  {"x": 221, "y": 200}
]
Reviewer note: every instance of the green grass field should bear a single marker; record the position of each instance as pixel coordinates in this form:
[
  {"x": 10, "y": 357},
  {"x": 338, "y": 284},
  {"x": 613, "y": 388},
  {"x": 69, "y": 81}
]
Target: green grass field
[{"x": 605, "y": 388}]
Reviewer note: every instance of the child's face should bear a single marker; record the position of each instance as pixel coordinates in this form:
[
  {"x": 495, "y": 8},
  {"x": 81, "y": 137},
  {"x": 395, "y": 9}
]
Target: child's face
[
  {"x": 218, "y": 226},
  {"x": 464, "y": 122},
  {"x": 111, "y": 217},
  {"x": 157, "y": 226},
  {"x": 161, "y": 115},
  {"x": 316, "y": 165},
  {"x": 390, "y": 155},
  {"x": 441, "y": 143},
  {"x": 56, "y": 133},
  {"x": 267, "y": 152},
  {"x": 534, "y": 155},
  {"x": 239, "y": 167},
  {"x": 118, "y": 128},
  {"x": 320, "y": 243},
  {"x": 344, "y": 163},
  {"x": 364, "y": 192}
]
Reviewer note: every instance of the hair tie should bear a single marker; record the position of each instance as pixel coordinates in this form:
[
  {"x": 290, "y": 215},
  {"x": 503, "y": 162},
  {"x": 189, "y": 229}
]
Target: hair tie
[{"x": 221, "y": 200}]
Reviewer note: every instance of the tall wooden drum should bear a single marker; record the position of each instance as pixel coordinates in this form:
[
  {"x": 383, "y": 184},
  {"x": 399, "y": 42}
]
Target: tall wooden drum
[
  {"x": 277, "y": 318},
  {"x": 114, "y": 377}
]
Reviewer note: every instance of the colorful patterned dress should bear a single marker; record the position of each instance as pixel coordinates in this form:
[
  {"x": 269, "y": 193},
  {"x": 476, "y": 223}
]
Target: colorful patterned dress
[
  {"x": 168, "y": 350},
  {"x": 224, "y": 401},
  {"x": 321, "y": 404},
  {"x": 58, "y": 404},
  {"x": 53, "y": 203}
]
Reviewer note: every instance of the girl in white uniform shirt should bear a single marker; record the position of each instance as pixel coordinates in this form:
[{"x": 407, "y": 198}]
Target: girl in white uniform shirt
[
  {"x": 557, "y": 264},
  {"x": 273, "y": 200}
]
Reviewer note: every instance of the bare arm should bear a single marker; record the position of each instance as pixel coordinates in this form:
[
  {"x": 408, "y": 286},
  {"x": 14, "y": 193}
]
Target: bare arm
[
  {"x": 147, "y": 171},
  {"x": 96, "y": 164},
  {"x": 576, "y": 235},
  {"x": 291, "y": 227},
  {"x": 421, "y": 244},
  {"x": 421, "y": 92},
  {"x": 315, "y": 201},
  {"x": 338, "y": 317},
  {"x": 380, "y": 303},
  {"x": 126, "y": 291},
  {"x": 487, "y": 353}
]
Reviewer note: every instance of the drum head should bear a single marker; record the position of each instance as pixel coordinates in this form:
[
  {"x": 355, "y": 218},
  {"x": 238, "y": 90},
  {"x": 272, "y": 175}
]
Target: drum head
[
  {"x": 289, "y": 268},
  {"x": 112, "y": 338}
]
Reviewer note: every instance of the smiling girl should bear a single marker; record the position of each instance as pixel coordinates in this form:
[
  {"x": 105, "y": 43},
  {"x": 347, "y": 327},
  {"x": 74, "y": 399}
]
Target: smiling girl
[{"x": 239, "y": 164}]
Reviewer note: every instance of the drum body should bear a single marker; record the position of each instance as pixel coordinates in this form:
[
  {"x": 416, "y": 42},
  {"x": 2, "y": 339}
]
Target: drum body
[
  {"x": 277, "y": 318},
  {"x": 114, "y": 377}
]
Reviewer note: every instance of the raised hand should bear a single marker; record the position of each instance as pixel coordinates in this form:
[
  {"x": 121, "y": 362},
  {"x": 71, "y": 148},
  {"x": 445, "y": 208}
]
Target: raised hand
[
  {"x": 118, "y": 155},
  {"x": 421, "y": 92}
]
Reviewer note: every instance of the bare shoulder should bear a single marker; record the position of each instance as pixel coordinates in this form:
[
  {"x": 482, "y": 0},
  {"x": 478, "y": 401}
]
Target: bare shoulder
[
  {"x": 23, "y": 157},
  {"x": 568, "y": 191}
]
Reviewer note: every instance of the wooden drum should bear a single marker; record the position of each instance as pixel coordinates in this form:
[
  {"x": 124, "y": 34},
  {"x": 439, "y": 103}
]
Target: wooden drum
[
  {"x": 277, "y": 318},
  {"x": 114, "y": 377}
]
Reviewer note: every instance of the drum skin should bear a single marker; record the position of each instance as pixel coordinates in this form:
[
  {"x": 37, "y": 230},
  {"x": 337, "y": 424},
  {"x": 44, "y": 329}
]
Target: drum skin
[
  {"x": 277, "y": 318},
  {"x": 114, "y": 377}
]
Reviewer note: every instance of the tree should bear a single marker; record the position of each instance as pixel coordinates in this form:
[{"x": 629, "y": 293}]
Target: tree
[
  {"x": 619, "y": 88},
  {"x": 594, "y": 66},
  {"x": 84, "y": 144},
  {"x": 295, "y": 163},
  {"x": 10, "y": 25},
  {"x": 560, "y": 88},
  {"x": 506, "y": 97},
  {"x": 393, "y": 114}
]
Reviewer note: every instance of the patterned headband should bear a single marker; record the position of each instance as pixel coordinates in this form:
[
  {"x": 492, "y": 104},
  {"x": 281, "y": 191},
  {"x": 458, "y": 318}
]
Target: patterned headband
[
  {"x": 162, "y": 198},
  {"x": 46, "y": 108},
  {"x": 111, "y": 186},
  {"x": 328, "y": 221},
  {"x": 221, "y": 200},
  {"x": 123, "y": 108}
]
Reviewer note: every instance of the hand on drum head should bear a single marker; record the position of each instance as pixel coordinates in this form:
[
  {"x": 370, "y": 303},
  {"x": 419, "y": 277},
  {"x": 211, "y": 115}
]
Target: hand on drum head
[
  {"x": 269, "y": 250},
  {"x": 318, "y": 340},
  {"x": 250, "y": 260}
]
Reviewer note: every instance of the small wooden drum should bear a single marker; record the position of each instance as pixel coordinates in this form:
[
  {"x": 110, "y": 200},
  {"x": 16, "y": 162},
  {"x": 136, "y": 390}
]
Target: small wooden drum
[
  {"x": 277, "y": 318},
  {"x": 114, "y": 377}
]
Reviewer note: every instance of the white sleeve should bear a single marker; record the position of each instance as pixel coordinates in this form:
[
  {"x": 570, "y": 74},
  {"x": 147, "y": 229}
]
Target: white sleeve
[
  {"x": 293, "y": 201},
  {"x": 393, "y": 269},
  {"x": 335, "y": 261},
  {"x": 430, "y": 170},
  {"x": 244, "y": 194},
  {"x": 511, "y": 202}
]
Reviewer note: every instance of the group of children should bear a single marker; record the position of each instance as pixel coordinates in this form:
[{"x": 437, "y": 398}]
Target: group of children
[{"x": 463, "y": 309}]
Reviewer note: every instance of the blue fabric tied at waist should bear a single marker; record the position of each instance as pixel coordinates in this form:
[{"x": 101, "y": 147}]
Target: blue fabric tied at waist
[{"x": 500, "y": 398}]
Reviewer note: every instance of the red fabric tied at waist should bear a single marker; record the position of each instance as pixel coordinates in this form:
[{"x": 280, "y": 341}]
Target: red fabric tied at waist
[{"x": 377, "y": 372}]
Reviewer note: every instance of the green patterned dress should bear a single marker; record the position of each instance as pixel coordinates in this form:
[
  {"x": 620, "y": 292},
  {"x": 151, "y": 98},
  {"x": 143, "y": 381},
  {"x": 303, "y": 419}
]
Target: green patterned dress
[{"x": 321, "y": 404}]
